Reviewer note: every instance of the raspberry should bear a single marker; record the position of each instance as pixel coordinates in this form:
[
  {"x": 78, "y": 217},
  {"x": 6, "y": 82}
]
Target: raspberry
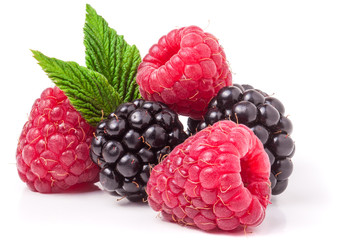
[
  {"x": 53, "y": 149},
  {"x": 130, "y": 142},
  {"x": 262, "y": 114},
  {"x": 218, "y": 178},
  {"x": 185, "y": 69}
]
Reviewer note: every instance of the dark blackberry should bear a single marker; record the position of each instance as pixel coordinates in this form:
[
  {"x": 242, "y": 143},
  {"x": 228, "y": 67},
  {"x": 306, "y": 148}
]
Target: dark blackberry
[
  {"x": 265, "y": 116},
  {"x": 130, "y": 142}
]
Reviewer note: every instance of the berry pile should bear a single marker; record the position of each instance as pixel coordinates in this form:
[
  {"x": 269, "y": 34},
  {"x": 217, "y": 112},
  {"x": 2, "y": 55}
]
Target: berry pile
[
  {"x": 53, "y": 149},
  {"x": 265, "y": 116},
  {"x": 184, "y": 70},
  {"x": 130, "y": 142},
  {"x": 218, "y": 178}
]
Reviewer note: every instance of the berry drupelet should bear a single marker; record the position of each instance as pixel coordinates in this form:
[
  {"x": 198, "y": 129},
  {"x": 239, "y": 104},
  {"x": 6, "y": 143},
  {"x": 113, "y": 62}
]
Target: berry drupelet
[
  {"x": 264, "y": 115},
  {"x": 130, "y": 142}
]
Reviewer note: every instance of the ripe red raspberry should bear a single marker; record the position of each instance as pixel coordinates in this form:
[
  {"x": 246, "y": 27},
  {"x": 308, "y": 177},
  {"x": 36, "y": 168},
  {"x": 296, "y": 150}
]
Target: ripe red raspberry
[
  {"x": 53, "y": 149},
  {"x": 218, "y": 178},
  {"x": 185, "y": 70}
]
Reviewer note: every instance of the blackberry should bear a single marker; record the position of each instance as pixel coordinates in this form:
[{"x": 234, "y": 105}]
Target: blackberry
[
  {"x": 130, "y": 142},
  {"x": 265, "y": 116}
]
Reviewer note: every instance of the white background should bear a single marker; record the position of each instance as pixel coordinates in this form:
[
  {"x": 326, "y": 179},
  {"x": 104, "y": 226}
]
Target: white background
[{"x": 282, "y": 47}]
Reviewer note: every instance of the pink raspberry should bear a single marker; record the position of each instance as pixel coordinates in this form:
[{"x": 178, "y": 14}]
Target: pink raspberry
[
  {"x": 218, "y": 178},
  {"x": 53, "y": 149},
  {"x": 185, "y": 70}
]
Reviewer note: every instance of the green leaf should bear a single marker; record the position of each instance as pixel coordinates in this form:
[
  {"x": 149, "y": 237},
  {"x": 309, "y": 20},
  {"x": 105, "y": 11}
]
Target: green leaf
[
  {"x": 130, "y": 62},
  {"x": 109, "y": 54},
  {"x": 88, "y": 91}
]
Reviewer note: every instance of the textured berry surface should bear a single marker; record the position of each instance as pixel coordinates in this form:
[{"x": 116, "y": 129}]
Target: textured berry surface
[
  {"x": 130, "y": 142},
  {"x": 218, "y": 178},
  {"x": 265, "y": 116},
  {"x": 53, "y": 149},
  {"x": 185, "y": 69}
]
